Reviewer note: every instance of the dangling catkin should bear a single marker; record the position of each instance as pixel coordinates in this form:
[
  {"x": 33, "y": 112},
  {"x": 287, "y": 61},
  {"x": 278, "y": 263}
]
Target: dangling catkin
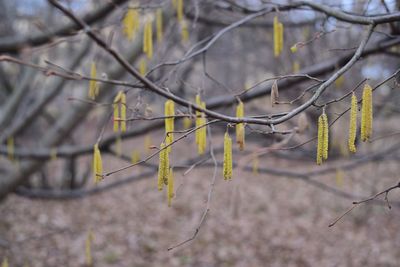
[
  {"x": 88, "y": 248},
  {"x": 131, "y": 23},
  {"x": 170, "y": 188},
  {"x": 148, "y": 39},
  {"x": 97, "y": 164},
  {"x": 276, "y": 36},
  {"x": 169, "y": 110},
  {"x": 201, "y": 133},
  {"x": 366, "y": 113},
  {"x": 187, "y": 123},
  {"x": 184, "y": 31},
  {"x": 323, "y": 138},
  {"x": 240, "y": 126},
  {"x": 93, "y": 85},
  {"x": 161, "y": 167},
  {"x": 142, "y": 66},
  {"x": 159, "y": 25},
  {"x": 227, "y": 165},
  {"x": 353, "y": 124},
  {"x": 5, "y": 262},
  {"x": 280, "y": 31},
  {"x": 116, "y": 116},
  {"x": 135, "y": 156},
  {"x": 123, "y": 112},
  {"x": 179, "y": 10}
]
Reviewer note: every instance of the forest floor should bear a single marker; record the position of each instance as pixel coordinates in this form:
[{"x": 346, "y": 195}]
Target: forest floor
[{"x": 254, "y": 220}]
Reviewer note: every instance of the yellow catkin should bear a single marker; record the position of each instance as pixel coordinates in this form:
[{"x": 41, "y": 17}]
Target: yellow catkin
[
  {"x": 276, "y": 36},
  {"x": 93, "y": 85},
  {"x": 143, "y": 66},
  {"x": 148, "y": 39},
  {"x": 326, "y": 136},
  {"x": 174, "y": 3},
  {"x": 169, "y": 110},
  {"x": 135, "y": 157},
  {"x": 5, "y": 262},
  {"x": 366, "y": 113},
  {"x": 97, "y": 164},
  {"x": 116, "y": 116},
  {"x": 201, "y": 133},
  {"x": 170, "y": 188},
  {"x": 88, "y": 248},
  {"x": 179, "y": 10},
  {"x": 256, "y": 163},
  {"x": 118, "y": 146},
  {"x": 280, "y": 31},
  {"x": 187, "y": 123},
  {"x": 10, "y": 148},
  {"x": 159, "y": 25},
  {"x": 323, "y": 139},
  {"x": 161, "y": 167},
  {"x": 240, "y": 131},
  {"x": 131, "y": 23},
  {"x": 353, "y": 124},
  {"x": 227, "y": 164},
  {"x": 184, "y": 31},
  {"x": 123, "y": 112}
]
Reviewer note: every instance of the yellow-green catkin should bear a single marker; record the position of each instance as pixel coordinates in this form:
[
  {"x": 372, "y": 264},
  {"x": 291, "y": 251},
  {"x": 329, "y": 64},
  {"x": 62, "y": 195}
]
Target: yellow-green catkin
[
  {"x": 278, "y": 36},
  {"x": 118, "y": 146},
  {"x": 148, "y": 39},
  {"x": 170, "y": 188},
  {"x": 240, "y": 132},
  {"x": 10, "y": 148},
  {"x": 323, "y": 138},
  {"x": 187, "y": 123},
  {"x": 131, "y": 23},
  {"x": 169, "y": 112},
  {"x": 123, "y": 112},
  {"x": 366, "y": 113},
  {"x": 339, "y": 82},
  {"x": 353, "y": 124},
  {"x": 88, "y": 249},
  {"x": 159, "y": 25},
  {"x": 184, "y": 31},
  {"x": 135, "y": 157},
  {"x": 179, "y": 10},
  {"x": 93, "y": 85},
  {"x": 116, "y": 115},
  {"x": 97, "y": 164},
  {"x": 142, "y": 66},
  {"x": 5, "y": 262},
  {"x": 201, "y": 132},
  {"x": 256, "y": 163},
  {"x": 227, "y": 164},
  {"x": 161, "y": 166}
]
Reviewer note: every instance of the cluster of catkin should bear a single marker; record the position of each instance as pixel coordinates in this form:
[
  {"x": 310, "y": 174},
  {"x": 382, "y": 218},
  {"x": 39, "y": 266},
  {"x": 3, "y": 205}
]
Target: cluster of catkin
[
  {"x": 366, "y": 124},
  {"x": 366, "y": 117}
]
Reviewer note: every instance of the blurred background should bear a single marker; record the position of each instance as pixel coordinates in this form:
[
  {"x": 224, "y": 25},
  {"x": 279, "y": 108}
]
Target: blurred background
[{"x": 277, "y": 208}]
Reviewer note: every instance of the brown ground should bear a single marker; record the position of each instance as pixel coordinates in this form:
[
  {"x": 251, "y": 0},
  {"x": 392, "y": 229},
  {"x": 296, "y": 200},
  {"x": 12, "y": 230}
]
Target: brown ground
[{"x": 255, "y": 220}]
